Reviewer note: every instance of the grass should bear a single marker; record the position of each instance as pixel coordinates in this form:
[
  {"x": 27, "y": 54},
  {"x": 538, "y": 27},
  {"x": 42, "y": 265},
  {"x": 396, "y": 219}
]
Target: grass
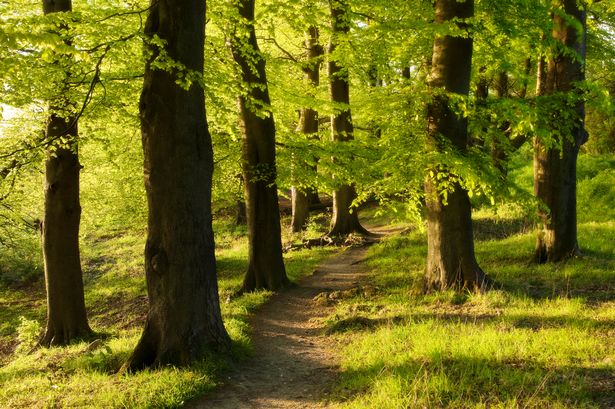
[
  {"x": 82, "y": 376},
  {"x": 542, "y": 339}
]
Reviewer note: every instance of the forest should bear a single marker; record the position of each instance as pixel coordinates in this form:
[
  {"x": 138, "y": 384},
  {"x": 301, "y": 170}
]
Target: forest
[{"x": 307, "y": 204}]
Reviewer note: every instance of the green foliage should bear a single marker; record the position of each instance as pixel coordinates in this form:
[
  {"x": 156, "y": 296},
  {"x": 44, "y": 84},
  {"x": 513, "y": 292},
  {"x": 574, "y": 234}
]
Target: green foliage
[{"x": 28, "y": 333}]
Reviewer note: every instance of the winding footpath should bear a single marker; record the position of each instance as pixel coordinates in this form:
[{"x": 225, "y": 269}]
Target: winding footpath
[{"x": 293, "y": 365}]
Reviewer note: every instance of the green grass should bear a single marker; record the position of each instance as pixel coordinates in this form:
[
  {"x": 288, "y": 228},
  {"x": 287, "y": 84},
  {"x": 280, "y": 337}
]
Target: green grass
[
  {"x": 116, "y": 300},
  {"x": 542, "y": 339}
]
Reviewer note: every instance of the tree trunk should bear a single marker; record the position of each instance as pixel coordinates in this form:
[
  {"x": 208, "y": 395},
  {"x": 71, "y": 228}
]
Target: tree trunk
[
  {"x": 451, "y": 262},
  {"x": 300, "y": 209},
  {"x": 308, "y": 125},
  {"x": 266, "y": 266},
  {"x": 555, "y": 168},
  {"x": 184, "y": 319},
  {"x": 499, "y": 153},
  {"x": 345, "y": 220},
  {"x": 66, "y": 314}
]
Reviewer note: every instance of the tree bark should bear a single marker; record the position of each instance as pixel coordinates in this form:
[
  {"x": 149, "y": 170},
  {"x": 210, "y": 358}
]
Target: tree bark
[
  {"x": 184, "y": 319},
  {"x": 266, "y": 265},
  {"x": 451, "y": 262},
  {"x": 308, "y": 125},
  {"x": 555, "y": 168},
  {"x": 499, "y": 153},
  {"x": 345, "y": 220},
  {"x": 66, "y": 313}
]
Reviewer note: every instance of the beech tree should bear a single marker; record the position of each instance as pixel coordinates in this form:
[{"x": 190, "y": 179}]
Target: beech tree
[
  {"x": 184, "y": 319},
  {"x": 66, "y": 313},
  {"x": 555, "y": 158},
  {"x": 308, "y": 125},
  {"x": 345, "y": 219},
  {"x": 451, "y": 262},
  {"x": 265, "y": 263}
]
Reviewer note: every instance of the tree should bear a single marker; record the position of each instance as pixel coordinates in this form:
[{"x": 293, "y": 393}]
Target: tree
[
  {"x": 555, "y": 159},
  {"x": 345, "y": 220},
  {"x": 265, "y": 265},
  {"x": 66, "y": 313},
  {"x": 184, "y": 319},
  {"x": 308, "y": 125},
  {"x": 451, "y": 262}
]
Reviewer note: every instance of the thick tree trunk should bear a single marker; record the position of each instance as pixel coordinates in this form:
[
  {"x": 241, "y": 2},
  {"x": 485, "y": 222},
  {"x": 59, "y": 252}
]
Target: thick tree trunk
[
  {"x": 66, "y": 314},
  {"x": 345, "y": 220},
  {"x": 266, "y": 265},
  {"x": 308, "y": 125},
  {"x": 555, "y": 169},
  {"x": 451, "y": 262},
  {"x": 184, "y": 319}
]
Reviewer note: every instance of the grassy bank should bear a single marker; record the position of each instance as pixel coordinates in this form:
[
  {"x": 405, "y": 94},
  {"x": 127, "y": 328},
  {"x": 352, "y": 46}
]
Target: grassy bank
[
  {"x": 82, "y": 376},
  {"x": 542, "y": 339}
]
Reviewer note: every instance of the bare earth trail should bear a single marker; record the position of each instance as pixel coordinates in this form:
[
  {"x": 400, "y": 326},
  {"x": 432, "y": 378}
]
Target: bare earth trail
[{"x": 293, "y": 365}]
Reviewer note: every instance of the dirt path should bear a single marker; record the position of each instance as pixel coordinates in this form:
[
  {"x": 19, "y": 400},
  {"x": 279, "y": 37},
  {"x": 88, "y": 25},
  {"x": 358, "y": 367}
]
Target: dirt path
[{"x": 293, "y": 365}]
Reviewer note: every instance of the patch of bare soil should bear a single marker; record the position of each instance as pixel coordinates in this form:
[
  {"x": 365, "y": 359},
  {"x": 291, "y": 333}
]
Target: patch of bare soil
[{"x": 293, "y": 365}]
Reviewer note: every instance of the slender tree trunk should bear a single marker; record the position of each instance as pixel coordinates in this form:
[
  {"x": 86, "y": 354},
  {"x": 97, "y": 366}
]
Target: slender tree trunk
[
  {"x": 555, "y": 169},
  {"x": 451, "y": 262},
  {"x": 499, "y": 153},
  {"x": 66, "y": 314},
  {"x": 184, "y": 319},
  {"x": 308, "y": 125},
  {"x": 266, "y": 266},
  {"x": 345, "y": 220}
]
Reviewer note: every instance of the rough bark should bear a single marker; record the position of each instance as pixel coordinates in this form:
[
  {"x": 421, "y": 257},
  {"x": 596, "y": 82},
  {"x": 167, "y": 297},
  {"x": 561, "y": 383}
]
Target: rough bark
[
  {"x": 265, "y": 265},
  {"x": 451, "y": 262},
  {"x": 308, "y": 125},
  {"x": 66, "y": 313},
  {"x": 184, "y": 320},
  {"x": 555, "y": 168},
  {"x": 345, "y": 220}
]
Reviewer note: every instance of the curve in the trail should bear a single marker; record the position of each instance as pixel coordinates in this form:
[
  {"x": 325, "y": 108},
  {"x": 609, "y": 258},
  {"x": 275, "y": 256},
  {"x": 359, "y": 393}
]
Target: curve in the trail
[{"x": 293, "y": 365}]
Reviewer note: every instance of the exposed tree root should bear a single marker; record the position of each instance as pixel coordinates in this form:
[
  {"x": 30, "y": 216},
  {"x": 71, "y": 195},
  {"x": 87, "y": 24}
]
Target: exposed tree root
[{"x": 349, "y": 240}]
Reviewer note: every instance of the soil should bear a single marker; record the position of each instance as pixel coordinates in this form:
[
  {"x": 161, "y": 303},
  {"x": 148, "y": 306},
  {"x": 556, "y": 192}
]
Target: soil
[{"x": 293, "y": 365}]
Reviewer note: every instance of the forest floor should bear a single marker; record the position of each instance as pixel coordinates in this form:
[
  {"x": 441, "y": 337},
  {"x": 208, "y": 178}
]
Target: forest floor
[{"x": 293, "y": 363}]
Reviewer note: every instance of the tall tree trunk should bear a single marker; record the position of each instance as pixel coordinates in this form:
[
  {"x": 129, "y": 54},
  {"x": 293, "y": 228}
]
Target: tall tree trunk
[
  {"x": 184, "y": 319},
  {"x": 308, "y": 125},
  {"x": 345, "y": 220},
  {"x": 266, "y": 266},
  {"x": 554, "y": 168},
  {"x": 451, "y": 262},
  {"x": 66, "y": 314},
  {"x": 499, "y": 153}
]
